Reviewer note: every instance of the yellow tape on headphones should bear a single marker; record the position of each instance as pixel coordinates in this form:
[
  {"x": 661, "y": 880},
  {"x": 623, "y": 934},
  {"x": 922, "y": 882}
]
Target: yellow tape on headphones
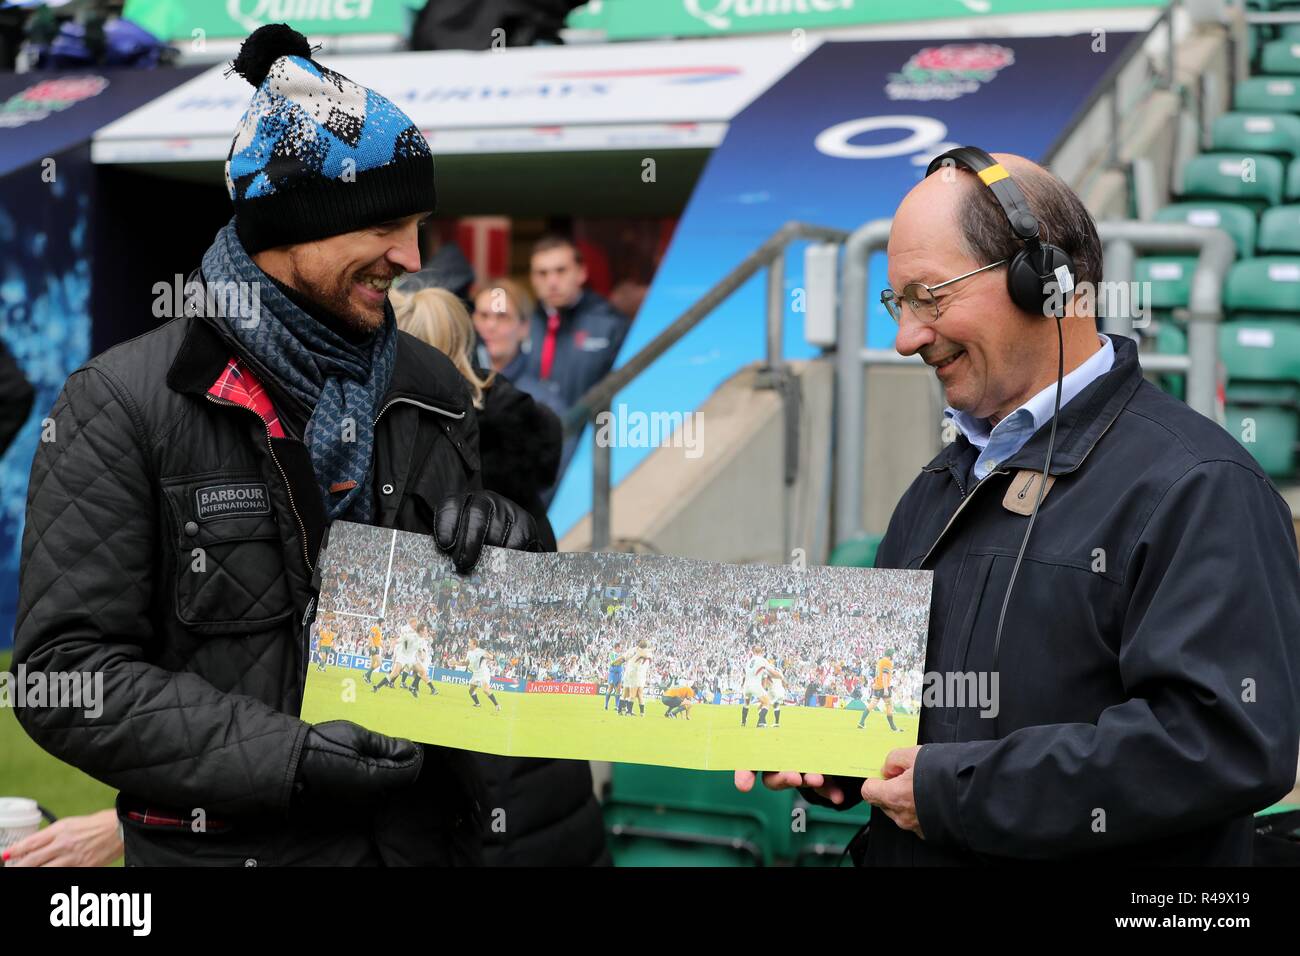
[{"x": 993, "y": 174}]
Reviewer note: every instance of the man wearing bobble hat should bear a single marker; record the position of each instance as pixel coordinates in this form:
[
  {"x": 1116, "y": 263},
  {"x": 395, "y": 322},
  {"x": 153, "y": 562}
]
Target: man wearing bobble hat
[{"x": 174, "y": 522}]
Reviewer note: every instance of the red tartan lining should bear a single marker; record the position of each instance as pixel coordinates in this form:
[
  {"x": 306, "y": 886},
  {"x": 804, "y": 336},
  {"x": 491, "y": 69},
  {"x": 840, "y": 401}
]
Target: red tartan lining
[{"x": 239, "y": 385}]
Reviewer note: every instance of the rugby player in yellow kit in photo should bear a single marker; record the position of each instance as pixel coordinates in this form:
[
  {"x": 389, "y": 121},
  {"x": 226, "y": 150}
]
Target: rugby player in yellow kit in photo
[
  {"x": 679, "y": 700},
  {"x": 882, "y": 689},
  {"x": 325, "y": 645},
  {"x": 376, "y": 651}
]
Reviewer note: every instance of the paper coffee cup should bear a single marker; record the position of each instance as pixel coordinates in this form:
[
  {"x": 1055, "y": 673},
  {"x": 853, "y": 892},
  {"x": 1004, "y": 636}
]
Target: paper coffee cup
[{"x": 19, "y": 818}]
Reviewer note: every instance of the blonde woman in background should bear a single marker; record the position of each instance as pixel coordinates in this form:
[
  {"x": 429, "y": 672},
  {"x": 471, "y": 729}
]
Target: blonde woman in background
[
  {"x": 437, "y": 317},
  {"x": 558, "y": 821}
]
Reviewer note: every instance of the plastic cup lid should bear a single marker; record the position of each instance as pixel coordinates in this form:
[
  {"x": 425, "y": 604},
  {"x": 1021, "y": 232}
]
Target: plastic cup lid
[{"x": 19, "y": 812}]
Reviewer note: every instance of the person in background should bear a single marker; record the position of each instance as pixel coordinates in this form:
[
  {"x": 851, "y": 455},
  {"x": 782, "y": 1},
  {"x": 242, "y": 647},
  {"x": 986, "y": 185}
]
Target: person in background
[
  {"x": 501, "y": 310},
  {"x": 576, "y": 333},
  {"x": 554, "y": 819},
  {"x": 16, "y": 398}
]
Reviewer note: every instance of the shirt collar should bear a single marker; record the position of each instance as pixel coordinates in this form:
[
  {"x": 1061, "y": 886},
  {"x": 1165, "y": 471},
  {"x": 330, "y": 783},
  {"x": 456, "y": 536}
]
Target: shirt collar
[{"x": 1039, "y": 408}]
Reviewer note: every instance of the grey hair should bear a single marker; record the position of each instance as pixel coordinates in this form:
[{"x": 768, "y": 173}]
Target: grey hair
[{"x": 1062, "y": 221}]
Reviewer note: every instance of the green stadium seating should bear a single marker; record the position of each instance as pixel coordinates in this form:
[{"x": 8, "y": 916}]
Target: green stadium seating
[
  {"x": 1274, "y": 432},
  {"x": 1266, "y": 284},
  {"x": 1279, "y": 230},
  {"x": 1268, "y": 94},
  {"x": 680, "y": 809},
  {"x": 1280, "y": 57},
  {"x": 856, "y": 552},
  {"x": 1250, "y": 179},
  {"x": 1262, "y": 356},
  {"x": 827, "y": 833},
  {"x": 659, "y": 836},
  {"x": 1275, "y": 133},
  {"x": 1171, "y": 339},
  {"x": 1171, "y": 281},
  {"x": 1292, "y": 193},
  {"x": 1237, "y": 221}
]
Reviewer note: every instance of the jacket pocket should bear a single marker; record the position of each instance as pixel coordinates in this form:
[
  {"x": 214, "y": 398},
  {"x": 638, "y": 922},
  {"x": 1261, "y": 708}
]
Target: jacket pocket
[{"x": 229, "y": 552}]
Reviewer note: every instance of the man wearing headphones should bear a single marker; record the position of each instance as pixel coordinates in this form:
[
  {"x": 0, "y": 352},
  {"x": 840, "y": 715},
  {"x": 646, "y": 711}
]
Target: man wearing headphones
[{"x": 1145, "y": 637}]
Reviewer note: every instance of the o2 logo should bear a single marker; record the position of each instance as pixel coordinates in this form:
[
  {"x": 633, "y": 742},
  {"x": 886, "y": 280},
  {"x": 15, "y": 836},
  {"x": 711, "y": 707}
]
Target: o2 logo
[{"x": 921, "y": 135}]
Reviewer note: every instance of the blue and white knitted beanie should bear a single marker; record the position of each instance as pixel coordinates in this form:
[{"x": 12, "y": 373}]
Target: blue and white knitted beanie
[{"x": 315, "y": 154}]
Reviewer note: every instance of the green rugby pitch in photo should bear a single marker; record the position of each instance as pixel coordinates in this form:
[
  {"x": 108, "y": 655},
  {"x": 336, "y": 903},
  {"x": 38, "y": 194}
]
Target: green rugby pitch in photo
[
  {"x": 809, "y": 739},
  {"x": 629, "y": 658}
]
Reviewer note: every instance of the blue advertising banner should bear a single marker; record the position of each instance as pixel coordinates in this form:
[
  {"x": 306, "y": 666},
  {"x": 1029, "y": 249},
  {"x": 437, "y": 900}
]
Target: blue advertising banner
[
  {"x": 45, "y": 113},
  {"x": 835, "y": 142}
]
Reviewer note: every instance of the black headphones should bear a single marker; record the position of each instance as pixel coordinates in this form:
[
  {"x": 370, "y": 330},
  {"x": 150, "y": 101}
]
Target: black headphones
[{"x": 1032, "y": 272}]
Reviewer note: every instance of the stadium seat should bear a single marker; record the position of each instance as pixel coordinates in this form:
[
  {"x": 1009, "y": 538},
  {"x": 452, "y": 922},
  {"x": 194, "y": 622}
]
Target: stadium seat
[
  {"x": 1237, "y": 221},
  {"x": 1171, "y": 282},
  {"x": 1280, "y": 57},
  {"x": 1277, "y": 134},
  {"x": 1252, "y": 180},
  {"x": 1171, "y": 339},
  {"x": 1268, "y": 94},
  {"x": 1262, "y": 358},
  {"x": 827, "y": 833},
  {"x": 680, "y": 807},
  {"x": 856, "y": 552},
  {"x": 1273, "y": 431},
  {"x": 1279, "y": 230},
  {"x": 660, "y": 836},
  {"x": 1292, "y": 193},
  {"x": 1266, "y": 284}
]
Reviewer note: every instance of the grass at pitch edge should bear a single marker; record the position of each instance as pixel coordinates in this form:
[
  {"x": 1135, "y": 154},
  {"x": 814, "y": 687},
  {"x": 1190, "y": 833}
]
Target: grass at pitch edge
[{"x": 810, "y": 739}]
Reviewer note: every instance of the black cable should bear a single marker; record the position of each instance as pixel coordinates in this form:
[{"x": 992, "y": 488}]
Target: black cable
[{"x": 1042, "y": 488}]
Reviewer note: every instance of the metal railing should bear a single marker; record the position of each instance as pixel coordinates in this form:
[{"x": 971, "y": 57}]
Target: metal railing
[
  {"x": 1121, "y": 241},
  {"x": 597, "y": 399}
]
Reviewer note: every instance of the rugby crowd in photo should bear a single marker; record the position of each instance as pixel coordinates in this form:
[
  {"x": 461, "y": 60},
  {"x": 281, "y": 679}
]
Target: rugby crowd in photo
[{"x": 569, "y": 617}]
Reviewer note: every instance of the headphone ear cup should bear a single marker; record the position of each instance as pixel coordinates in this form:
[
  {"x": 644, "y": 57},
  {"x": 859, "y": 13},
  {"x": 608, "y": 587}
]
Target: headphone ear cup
[{"x": 1028, "y": 290}]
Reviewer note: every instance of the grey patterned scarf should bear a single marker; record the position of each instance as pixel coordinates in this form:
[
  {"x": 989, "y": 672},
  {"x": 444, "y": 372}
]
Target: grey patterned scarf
[{"x": 341, "y": 382}]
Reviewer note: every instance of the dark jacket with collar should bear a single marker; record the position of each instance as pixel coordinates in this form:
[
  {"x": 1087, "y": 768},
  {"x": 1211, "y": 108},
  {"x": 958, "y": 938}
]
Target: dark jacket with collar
[
  {"x": 586, "y": 345},
  {"x": 195, "y": 614},
  {"x": 1149, "y": 686}
]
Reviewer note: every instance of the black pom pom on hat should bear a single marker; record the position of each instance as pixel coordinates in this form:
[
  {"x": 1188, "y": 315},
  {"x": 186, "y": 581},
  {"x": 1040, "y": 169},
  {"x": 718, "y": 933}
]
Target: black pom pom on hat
[{"x": 263, "y": 47}]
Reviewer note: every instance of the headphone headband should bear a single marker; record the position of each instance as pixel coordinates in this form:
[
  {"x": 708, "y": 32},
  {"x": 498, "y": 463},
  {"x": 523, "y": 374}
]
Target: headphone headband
[{"x": 999, "y": 182}]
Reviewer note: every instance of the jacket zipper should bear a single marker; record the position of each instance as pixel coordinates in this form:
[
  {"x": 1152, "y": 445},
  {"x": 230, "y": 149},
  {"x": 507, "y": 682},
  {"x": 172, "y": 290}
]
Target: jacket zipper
[
  {"x": 964, "y": 502},
  {"x": 410, "y": 401},
  {"x": 288, "y": 490},
  {"x": 1004, "y": 471}
]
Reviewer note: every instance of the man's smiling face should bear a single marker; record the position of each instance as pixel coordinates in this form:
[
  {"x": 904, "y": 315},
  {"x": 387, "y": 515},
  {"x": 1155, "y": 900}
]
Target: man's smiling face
[
  {"x": 349, "y": 274},
  {"x": 978, "y": 347}
]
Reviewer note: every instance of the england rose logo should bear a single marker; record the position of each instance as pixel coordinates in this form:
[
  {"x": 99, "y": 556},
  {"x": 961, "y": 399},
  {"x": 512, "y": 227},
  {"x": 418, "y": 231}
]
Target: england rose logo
[{"x": 949, "y": 71}]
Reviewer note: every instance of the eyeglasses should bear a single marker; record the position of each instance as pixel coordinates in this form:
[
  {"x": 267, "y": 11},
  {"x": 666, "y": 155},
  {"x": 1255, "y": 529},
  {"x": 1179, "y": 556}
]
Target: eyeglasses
[{"x": 919, "y": 298}]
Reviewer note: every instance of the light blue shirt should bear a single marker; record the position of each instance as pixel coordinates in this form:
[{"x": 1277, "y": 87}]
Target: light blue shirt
[{"x": 1009, "y": 435}]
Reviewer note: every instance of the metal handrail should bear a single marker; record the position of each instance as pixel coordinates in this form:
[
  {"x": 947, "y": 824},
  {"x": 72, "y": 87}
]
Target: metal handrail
[
  {"x": 1215, "y": 254},
  {"x": 597, "y": 399},
  {"x": 599, "y": 396}
]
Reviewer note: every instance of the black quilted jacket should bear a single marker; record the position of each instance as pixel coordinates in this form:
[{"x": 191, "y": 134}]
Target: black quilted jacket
[{"x": 170, "y": 545}]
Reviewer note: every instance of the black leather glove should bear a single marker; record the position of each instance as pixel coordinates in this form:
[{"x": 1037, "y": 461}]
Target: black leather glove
[
  {"x": 343, "y": 762},
  {"x": 466, "y": 522}
]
